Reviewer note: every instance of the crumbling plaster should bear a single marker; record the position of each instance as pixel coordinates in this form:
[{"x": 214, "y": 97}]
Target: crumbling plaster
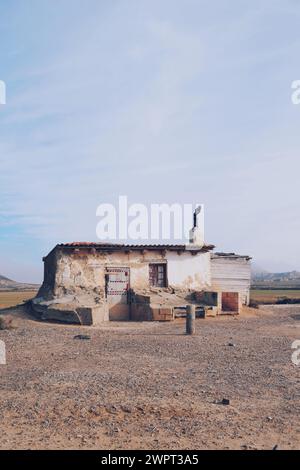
[
  {"x": 84, "y": 272},
  {"x": 189, "y": 271}
]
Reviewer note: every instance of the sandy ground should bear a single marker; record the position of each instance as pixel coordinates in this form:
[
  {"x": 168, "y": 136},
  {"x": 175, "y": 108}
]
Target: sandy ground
[{"x": 148, "y": 386}]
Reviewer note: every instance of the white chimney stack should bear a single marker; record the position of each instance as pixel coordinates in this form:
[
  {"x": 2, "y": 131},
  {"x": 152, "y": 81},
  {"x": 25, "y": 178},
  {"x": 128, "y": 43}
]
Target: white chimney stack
[{"x": 197, "y": 232}]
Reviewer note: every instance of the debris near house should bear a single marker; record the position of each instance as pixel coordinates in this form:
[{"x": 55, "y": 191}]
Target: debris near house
[
  {"x": 90, "y": 283},
  {"x": 82, "y": 337},
  {"x": 225, "y": 402}
]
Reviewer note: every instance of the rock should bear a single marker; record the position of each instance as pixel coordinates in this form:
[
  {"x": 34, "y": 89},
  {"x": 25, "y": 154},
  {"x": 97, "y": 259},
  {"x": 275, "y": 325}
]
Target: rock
[
  {"x": 126, "y": 409},
  {"x": 83, "y": 337},
  {"x": 231, "y": 344},
  {"x": 62, "y": 313},
  {"x": 6, "y": 323},
  {"x": 225, "y": 401}
]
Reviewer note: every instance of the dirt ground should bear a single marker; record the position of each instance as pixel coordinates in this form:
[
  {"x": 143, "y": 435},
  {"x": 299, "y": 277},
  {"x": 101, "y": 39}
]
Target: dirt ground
[{"x": 148, "y": 386}]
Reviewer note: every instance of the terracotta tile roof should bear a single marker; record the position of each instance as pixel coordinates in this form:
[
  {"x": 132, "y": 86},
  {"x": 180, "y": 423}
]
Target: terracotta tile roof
[{"x": 104, "y": 246}]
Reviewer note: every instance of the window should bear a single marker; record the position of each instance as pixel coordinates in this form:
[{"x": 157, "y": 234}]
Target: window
[{"x": 158, "y": 275}]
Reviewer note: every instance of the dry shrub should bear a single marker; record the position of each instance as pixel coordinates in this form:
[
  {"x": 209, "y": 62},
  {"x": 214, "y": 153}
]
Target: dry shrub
[
  {"x": 253, "y": 304},
  {"x": 6, "y": 323}
]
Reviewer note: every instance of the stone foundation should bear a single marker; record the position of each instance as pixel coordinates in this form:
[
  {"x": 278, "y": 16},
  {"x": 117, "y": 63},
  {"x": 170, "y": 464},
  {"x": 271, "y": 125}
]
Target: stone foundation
[{"x": 69, "y": 313}]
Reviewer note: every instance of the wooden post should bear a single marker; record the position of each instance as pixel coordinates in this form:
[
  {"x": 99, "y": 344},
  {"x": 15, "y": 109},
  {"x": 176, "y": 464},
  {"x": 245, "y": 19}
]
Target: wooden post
[{"x": 190, "y": 319}]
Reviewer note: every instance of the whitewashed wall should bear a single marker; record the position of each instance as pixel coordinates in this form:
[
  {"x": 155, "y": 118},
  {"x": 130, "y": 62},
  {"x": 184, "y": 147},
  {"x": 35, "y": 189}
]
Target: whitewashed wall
[
  {"x": 189, "y": 271},
  {"x": 86, "y": 272}
]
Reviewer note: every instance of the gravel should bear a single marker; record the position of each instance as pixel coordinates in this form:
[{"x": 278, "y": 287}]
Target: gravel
[{"x": 149, "y": 386}]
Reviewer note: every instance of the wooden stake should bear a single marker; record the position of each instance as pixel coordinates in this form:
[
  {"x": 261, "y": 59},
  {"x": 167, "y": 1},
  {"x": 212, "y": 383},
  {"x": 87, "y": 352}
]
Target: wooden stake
[{"x": 190, "y": 319}]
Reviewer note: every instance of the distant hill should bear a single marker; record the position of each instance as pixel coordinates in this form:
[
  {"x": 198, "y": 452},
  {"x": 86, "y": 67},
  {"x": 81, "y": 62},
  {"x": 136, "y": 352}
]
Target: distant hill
[
  {"x": 288, "y": 280},
  {"x": 9, "y": 285}
]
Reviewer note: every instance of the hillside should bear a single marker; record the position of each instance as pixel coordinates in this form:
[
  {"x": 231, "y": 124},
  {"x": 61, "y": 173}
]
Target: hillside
[
  {"x": 10, "y": 285},
  {"x": 288, "y": 280}
]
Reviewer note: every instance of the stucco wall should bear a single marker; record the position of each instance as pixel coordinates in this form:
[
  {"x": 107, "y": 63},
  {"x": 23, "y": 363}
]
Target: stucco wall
[
  {"x": 83, "y": 272},
  {"x": 189, "y": 271}
]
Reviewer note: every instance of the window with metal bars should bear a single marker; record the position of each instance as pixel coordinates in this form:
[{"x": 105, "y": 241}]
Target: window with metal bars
[{"x": 158, "y": 275}]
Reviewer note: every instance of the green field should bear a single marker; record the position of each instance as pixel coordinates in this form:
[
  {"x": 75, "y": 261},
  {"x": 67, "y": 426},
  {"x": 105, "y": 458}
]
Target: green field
[
  {"x": 270, "y": 296},
  {"x": 10, "y": 299}
]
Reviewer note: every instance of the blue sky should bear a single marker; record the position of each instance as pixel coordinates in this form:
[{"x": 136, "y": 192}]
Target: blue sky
[{"x": 173, "y": 101}]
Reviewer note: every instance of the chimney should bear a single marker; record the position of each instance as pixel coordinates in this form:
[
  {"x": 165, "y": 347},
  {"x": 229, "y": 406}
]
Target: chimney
[{"x": 197, "y": 232}]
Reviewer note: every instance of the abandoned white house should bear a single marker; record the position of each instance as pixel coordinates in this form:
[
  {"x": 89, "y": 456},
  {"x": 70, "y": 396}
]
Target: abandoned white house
[{"x": 89, "y": 283}]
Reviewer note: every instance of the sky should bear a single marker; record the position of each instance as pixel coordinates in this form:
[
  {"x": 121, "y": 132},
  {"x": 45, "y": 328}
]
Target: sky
[{"x": 174, "y": 101}]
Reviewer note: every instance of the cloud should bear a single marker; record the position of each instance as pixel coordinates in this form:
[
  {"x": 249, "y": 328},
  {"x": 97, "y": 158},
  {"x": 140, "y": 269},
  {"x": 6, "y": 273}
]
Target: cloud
[{"x": 161, "y": 101}]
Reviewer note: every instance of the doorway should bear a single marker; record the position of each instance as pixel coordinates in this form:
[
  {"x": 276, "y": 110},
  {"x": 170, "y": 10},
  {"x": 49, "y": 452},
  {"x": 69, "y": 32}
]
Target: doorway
[
  {"x": 230, "y": 302},
  {"x": 117, "y": 285}
]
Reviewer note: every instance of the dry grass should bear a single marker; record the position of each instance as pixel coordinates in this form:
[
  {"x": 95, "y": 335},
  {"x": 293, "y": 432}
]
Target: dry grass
[
  {"x": 10, "y": 299},
  {"x": 270, "y": 296}
]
